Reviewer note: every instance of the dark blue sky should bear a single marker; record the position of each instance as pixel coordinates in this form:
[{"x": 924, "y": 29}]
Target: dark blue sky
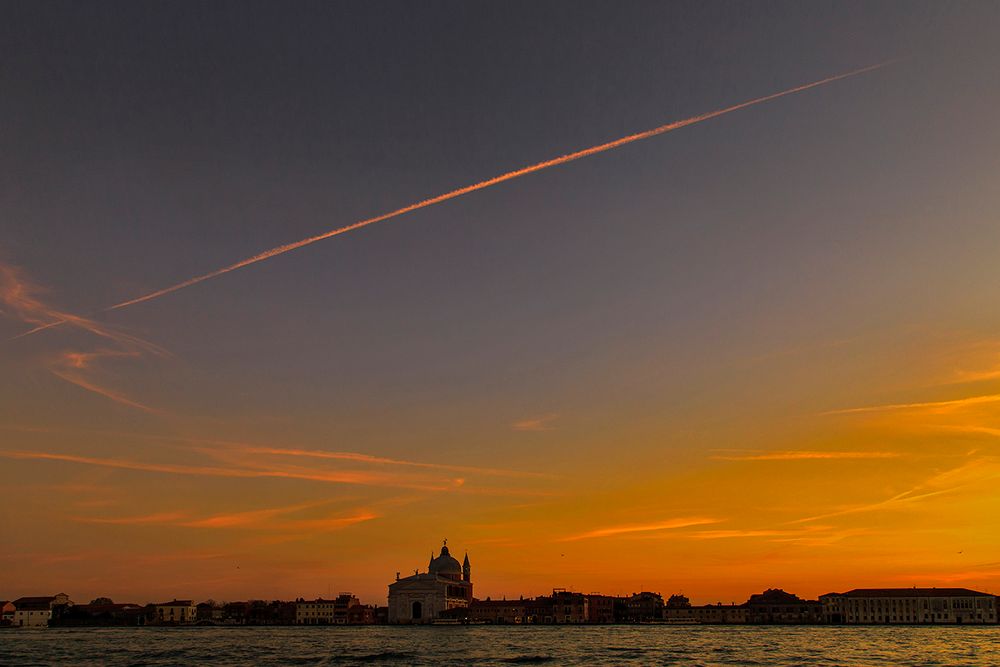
[{"x": 146, "y": 143}]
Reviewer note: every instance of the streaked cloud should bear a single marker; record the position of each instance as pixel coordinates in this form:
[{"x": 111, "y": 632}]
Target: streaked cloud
[
  {"x": 381, "y": 460},
  {"x": 971, "y": 572},
  {"x": 496, "y": 180},
  {"x": 239, "y": 451},
  {"x": 895, "y": 502},
  {"x": 931, "y": 406},
  {"x": 823, "y": 538},
  {"x": 977, "y": 360},
  {"x": 977, "y": 376},
  {"x": 814, "y": 535},
  {"x": 968, "y": 428},
  {"x": 737, "y": 533},
  {"x": 626, "y": 529},
  {"x": 250, "y": 517},
  {"x": 326, "y": 476},
  {"x": 942, "y": 483},
  {"x": 69, "y": 366},
  {"x": 541, "y": 423},
  {"x": 329, "y": 522},
  {"x": 267, "y": 519},
  {"x": 22, "y": 301},
  {"x": 804, "y": 455},
  {"x": 141, "y": 520}
]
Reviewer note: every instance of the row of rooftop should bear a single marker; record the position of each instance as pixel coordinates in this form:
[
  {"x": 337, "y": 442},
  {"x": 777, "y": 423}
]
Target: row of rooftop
[
  {"x": 59, "y": 611},
  {"x": 863, "y": 606}
]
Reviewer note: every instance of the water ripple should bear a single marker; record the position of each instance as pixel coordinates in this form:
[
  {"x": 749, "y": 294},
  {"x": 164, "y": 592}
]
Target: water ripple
[{"x": 686, "y": 646}]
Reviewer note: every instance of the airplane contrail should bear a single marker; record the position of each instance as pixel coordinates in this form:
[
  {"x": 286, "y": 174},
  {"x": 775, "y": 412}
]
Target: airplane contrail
[{"x": 524, "y": 171}]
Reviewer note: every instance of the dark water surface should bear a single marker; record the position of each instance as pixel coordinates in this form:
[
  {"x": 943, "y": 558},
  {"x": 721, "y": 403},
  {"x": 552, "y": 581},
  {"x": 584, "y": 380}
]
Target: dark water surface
[{"x": 493, "y": 645}]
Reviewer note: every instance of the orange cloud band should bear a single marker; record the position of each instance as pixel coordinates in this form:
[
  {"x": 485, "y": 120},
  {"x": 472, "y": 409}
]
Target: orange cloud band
[
  {"x": 334, "y": 477},
  {"x": 805, "y": 456}
]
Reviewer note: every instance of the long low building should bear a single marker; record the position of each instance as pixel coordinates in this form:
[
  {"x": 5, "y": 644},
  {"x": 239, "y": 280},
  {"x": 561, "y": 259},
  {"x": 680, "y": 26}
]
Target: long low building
[
  {"x": 345, "y": 609},
  {"x": 175, "y": 612},
  {"x": 561, "y": 608},
  {"x": 35, "y": 612},
  {"x": 708, "y": 614},
  {"x": 869, "y": 606}
]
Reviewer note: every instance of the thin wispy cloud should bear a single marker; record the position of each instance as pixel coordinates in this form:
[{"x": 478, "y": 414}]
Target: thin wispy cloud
[
  {"x": 737, "y": 534},
  {"x": 70, "y": 366},
  {"x": 804, "y": 455},
  {"x": 967, "y": 428},
  {"x": 381, "y": 460},
  {"x": 311, "y": 526},
  {"x": 250, "y": 517},
  {"x": 979, "y": 362},
  {"x": 325, "y": 476},
  {"x": 804, "y": 536},
  {"x": 239, "y": 451},
  {"x": 266, "y": 519},
  {"x": 542, "y": 423},
  {"x": 496, "y": 180},
  {"x": 942, "y": 483},
  {"x": 629, "y": 529},
  {"x": 931, "y": 406},
  {"x": 22, "y": 301},
  {"x": 141, "y": 520},
  {"x": 975, "y": 571},
  {"x": 895, "y": 502},
  {"x": 823, "y": 539},
  {"x": 977, "y": 376}
]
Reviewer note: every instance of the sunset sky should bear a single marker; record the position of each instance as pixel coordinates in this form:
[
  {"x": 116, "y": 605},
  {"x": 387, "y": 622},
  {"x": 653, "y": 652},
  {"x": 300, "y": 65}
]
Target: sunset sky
[{"x": 758, "y": 350}]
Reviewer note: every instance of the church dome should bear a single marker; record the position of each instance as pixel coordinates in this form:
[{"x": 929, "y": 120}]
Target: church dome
[{"x": 445, "y": 565}]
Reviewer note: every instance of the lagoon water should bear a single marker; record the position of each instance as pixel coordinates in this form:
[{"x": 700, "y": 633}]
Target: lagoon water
[{"x": 505, "y": 645}]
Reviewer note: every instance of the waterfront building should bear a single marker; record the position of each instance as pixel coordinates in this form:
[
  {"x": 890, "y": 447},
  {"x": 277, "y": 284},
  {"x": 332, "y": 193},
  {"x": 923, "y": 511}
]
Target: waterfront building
[
  {"x": 422, "y": 597},
  {"x": 342, "y": 606},
  {"x": 381, "y": 615},
  {"x": 490, "y": 612},
  {"x": 678, "y": 601},
  {"x": 7, "y": 609},
  {"x": 100, "y": 612},
  {"x": 600, "y": 608},
  {"x": 708, "y": 614},
  {"x": 35, "y": 612},
  {"x": 276, "y": 612},
  {"x": 314, "y": 612},
  {"x": 236, "y": 613},
  {"x": 910, "y": 605},
  {"x": 562, "y": 607},
  {"x": 326, "y": 612},
  {"x": 208, "y": 612},
  {"x": 361, "y": 614},
  {"x": 679, "y": 609},
  {"x": 642, "y": 608},
  {"x": 776, "y": 606},
  {"x": 175, "y": 612}
]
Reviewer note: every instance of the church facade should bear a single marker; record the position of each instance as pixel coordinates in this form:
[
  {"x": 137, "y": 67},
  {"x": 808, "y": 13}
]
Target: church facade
[{"x": 421, "y": 597}]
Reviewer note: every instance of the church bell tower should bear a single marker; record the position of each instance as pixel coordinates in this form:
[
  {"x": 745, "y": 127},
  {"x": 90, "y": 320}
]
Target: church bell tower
[{"x": 466, "y": 569}]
